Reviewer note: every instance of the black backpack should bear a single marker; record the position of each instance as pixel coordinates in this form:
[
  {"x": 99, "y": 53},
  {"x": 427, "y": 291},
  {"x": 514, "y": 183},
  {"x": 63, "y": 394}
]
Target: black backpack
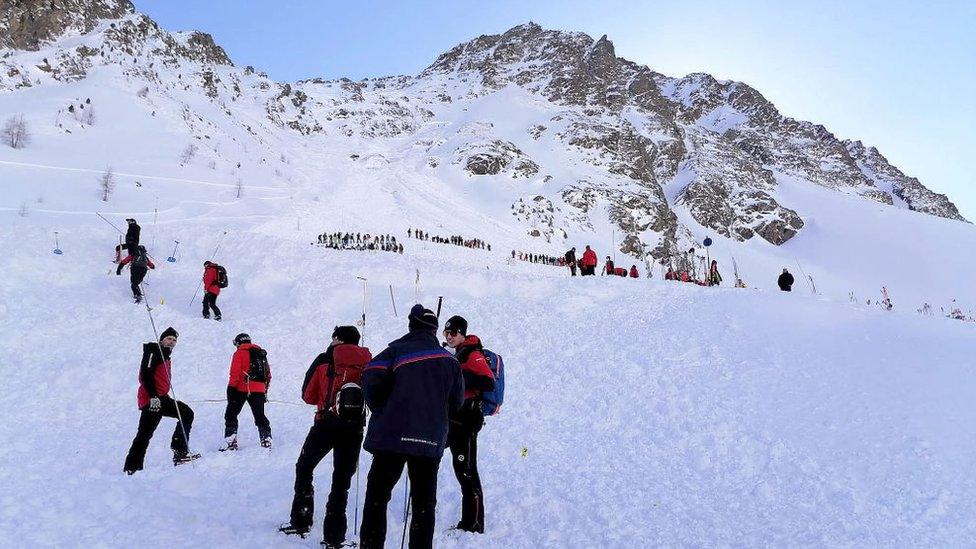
[
  {"x": 350, "y": 404},
  {"x": 221, "y": 276},
  {"x": 258, "y": 370},
  {"x": 141, "y": 258}
]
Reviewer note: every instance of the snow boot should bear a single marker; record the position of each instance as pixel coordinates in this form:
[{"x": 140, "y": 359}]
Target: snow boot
[
  {"x": 217, "y": 318},
  {"x": 290, "y": 530},
  {"x": 328, "y": 545},
  {"x": 266, "y": 442},
  {"x": 231, "y": 444},
  {"x": 182, "y": 456},
  {"x": 302, "y": 509}
]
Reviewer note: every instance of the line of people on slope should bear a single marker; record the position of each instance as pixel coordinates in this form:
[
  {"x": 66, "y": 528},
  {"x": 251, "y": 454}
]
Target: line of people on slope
[
  {"x": 422, "y": 400},
  {"x": 457, "y": 240},
  {"x": 540, "y": 259},
  {"x": 357, "y": 241},
  {"x": 140, "y": 262}
]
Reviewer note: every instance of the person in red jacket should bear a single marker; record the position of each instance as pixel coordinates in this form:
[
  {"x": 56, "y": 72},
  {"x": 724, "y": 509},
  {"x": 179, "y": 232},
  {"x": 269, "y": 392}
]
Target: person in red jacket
[
  {"x": 608, "y": 268},
  {"x": 250, "y": 378},
  {"x": 589, "y": 262},
  {"x": 210, "y": 290},
  {"x": 332, "y": 385},
  {"x": 464, "y": 425},
  {"x": 670, "y": 275},
  {"x": 633, "y": 272},
  {"x": 154, "y": 403}
]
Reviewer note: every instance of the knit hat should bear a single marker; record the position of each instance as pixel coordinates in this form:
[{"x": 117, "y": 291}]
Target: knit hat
[
  {"x": 346, "y": 334},
  {"x": 456, "y": 324},
  {"x": 168, "y": 332},
  {"x": 422, "y": 319}
]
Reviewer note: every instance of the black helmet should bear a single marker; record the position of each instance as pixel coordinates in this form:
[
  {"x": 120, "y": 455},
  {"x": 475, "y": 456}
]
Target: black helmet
[{"x": 241, "y": 339}]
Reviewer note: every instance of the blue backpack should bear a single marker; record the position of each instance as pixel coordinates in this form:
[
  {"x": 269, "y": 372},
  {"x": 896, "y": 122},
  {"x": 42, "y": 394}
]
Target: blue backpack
[{"x": 491, "y": 401}]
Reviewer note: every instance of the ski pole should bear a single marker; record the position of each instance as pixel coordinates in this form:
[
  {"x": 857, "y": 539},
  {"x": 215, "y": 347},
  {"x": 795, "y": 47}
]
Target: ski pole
[
  {"x": 363, "y": 321},
  {"x": 159, "y": 345},
  {"x": 406, "y": 510},
  {"x": 440, "y": 299},
  {"x": 393, "y": 301},
  {"x": 110, "y": 223},
  {"x": 57, "y": 245},
  {"x": 155, "y": 214},
  {"x": 355, "y": 527}
]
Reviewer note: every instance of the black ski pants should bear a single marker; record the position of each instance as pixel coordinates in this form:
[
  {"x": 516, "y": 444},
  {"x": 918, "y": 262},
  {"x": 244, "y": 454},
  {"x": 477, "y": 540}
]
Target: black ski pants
[
  {"x": 136, "y": 276},
  {"x": 210, "y": 302},
  {"x": 235, "y": 403},
  {"x": 572, "y": 270},
  {"x": 384, "y": 473},
  {"x": 149, "y": 420},
  {"x": 462, "y": 439},
  {"x": 345, "y": 441}
]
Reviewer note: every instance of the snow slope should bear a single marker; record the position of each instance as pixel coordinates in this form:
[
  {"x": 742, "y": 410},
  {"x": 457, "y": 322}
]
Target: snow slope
[{"x": 652, "y": 413}]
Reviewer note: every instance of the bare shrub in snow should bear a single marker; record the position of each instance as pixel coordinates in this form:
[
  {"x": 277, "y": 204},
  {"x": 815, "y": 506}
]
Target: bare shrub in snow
[
  {"x": 106, "y": 183},
  {"x": 143, "y": 92},
  {"x": 240, "y": 188},
  {"x": 24, "y": 210},
  {"x": 188, "y": 154},
  {"x": 15, "y": 132}
]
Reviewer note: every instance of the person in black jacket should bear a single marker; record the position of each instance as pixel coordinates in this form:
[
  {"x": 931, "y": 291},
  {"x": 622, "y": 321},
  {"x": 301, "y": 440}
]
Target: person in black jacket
[
  {"x": 464, "y": 425},
  {"x": 132, "y": 236},
  {"x": 570, "y": 260},
  {"x": 785, "y": 281},
  {"x": 411, "y": 387}
]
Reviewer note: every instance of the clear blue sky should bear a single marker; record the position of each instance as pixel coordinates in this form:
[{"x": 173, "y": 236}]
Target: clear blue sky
[{"x": 900, "y": 75}]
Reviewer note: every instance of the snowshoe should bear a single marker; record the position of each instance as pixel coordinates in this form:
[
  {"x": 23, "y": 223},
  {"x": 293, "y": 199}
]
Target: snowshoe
[
  {"x": 179, "y": 458},
  {"x": 231, "y": 445},
  {"x": 217, "y": 318},
  {"x": 137, "y": 299},
  {"x": 328, "y": 545},
  {"x": 266, "y": 442},
  {"x": 205, "y": 315},
  {"x": 290, "y": 530}
]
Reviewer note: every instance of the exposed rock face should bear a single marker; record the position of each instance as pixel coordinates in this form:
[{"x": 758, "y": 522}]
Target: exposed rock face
[
  {"x": 915, "y": 195},
  {"x": 27, "y": 24},
  {"x": 494, "y": 157}
]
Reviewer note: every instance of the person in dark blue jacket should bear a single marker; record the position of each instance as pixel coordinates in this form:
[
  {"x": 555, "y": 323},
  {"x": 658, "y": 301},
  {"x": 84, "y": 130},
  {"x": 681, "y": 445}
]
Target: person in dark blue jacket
[{"x": 410, "y": 387}]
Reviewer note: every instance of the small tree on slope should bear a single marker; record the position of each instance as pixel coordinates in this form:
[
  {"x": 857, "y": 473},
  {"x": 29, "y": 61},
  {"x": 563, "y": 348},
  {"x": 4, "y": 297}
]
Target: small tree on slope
[{"x": 15, "y": 132}]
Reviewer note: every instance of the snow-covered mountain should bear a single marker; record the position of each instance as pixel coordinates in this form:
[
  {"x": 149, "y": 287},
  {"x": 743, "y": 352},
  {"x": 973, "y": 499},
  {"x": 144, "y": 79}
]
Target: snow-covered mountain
[{"x": 571, "y": 137}]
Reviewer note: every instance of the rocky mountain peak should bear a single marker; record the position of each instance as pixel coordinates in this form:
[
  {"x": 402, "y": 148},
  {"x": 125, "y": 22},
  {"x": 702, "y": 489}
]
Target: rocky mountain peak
[{"x": 28, "y": 24}]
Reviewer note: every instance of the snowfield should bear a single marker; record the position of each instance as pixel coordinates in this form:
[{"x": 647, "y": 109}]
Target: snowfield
[{"x": 651, "y": 413}]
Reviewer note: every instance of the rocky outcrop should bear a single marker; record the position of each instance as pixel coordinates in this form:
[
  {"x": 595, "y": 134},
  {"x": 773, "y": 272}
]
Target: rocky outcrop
[
  {"x": 495, "y": 157},
  {"x": 888, "y": 178},
  {"x": 28, "y": 24}
]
